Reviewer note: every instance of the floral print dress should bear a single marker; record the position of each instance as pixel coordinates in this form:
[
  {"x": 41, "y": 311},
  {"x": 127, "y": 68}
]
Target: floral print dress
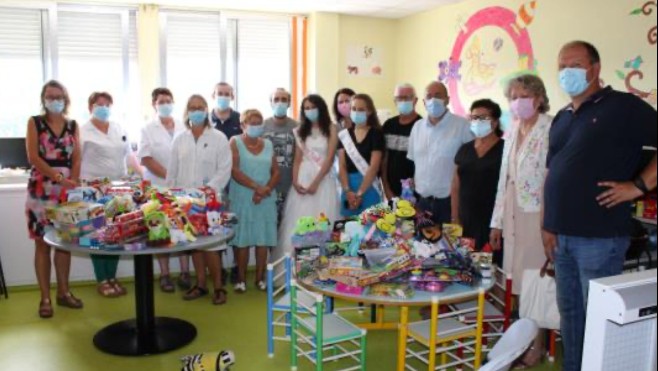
[{"x": 57, "y": 152}]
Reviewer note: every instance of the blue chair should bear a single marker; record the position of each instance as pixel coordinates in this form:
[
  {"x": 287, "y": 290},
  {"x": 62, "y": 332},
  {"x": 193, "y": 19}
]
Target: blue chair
[{"x": 279, "y": 305}]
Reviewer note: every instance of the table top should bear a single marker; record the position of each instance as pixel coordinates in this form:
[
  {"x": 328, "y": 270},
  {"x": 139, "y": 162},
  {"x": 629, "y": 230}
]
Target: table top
[
  {"x": 647, "y": 221},
  {"x": 202, "y": 243},
  {"x": 455, "y": 293}
]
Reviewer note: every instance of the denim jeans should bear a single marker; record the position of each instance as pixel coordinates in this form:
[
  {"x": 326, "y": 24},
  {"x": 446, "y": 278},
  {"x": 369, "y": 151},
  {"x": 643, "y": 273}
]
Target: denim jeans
[{"x": 577, "y": 262}]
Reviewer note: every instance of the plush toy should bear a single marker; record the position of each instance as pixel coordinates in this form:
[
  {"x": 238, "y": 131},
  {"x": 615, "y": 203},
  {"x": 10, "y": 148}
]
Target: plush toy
[
  {"x": 408, "y": 191},
  {"x": 214, "y": 223},
  {"x": 405, "y": 210},
  {"x": 323, "y": 224},
  {"x": 158, "y": 225},
  {"x": 356, "y": 234},
  {"x": 305, "y": 225},
  {"x": 221, "y": 361},
  {"x": 387, "y": 224}
]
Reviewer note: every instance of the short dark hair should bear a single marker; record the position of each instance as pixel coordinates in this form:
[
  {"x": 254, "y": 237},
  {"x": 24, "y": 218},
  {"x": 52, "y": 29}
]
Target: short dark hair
[
  {"x": 346, "y": 91},
  {"x": 161, "y": 91},
  {"x": 592, "y": 51},
  {"x": 494, "y": 110}
]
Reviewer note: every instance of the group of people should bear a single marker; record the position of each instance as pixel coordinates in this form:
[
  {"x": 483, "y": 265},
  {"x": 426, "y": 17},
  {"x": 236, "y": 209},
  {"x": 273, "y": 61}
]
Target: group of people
[{"x": 551, "y": 188}]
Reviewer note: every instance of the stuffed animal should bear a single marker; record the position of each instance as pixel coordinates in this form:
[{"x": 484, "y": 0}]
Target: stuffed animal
[
  {"x": 356, "y": 234},
  {"x": 408, "y": 191},
  {"x": 214, "y": 223},
  {"x": 305, "y": 225},
  {"x": 158, "y": 225},
  {"x": 221, "y": 361}
]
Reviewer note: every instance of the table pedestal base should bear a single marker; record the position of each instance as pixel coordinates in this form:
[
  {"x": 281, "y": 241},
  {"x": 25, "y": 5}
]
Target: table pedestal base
[{"x": 122, "y": 338}]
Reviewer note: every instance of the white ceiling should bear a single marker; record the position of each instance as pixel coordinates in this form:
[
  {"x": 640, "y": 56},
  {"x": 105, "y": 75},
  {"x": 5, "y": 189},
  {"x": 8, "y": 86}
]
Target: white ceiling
[{"x": 370, "y": 8}]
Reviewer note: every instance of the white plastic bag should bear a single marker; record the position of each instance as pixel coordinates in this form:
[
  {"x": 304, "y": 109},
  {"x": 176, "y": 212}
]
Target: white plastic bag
[{"x": 539, "y": 298}]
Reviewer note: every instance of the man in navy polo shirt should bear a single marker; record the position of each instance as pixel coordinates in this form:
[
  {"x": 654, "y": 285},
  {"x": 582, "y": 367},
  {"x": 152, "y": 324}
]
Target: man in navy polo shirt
[
  {"x": 595, "y": 151},
  {"x": 224, "y": 118}
]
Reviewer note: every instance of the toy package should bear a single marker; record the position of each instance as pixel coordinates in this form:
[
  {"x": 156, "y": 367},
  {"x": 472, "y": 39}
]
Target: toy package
[
  {"x": 221, "y": 361},
  {"x": 311, "y": 231},
  {"x": 392, "y": 290}
]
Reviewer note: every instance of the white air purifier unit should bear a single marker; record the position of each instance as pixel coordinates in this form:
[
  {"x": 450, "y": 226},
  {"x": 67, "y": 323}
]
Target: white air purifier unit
[{"x": 621, "y": 324}]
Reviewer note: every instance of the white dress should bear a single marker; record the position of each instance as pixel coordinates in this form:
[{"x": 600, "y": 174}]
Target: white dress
[{"x": 299, "y": 206}]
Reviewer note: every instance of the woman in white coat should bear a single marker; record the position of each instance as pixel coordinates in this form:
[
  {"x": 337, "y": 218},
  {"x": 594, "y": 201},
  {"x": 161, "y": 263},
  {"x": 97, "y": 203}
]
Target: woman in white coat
[
  {"x": 517, "y": 215},
  {"x": 154, "y": 154},
  {"x": 200, "y": 157},
  {"x": 106, "y": 153}
]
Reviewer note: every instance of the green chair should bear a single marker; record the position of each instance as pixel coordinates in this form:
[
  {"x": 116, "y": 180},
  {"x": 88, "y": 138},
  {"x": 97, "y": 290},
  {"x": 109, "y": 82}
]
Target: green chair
[{"x": 321, "y": 337}]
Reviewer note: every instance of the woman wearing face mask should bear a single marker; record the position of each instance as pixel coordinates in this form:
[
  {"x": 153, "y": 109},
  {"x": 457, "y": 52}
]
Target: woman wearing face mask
[
  {"x": 106, "y": 153},
  {"x": 517, "y": 215},
  {"x": 314, "y": 189},
  {"x": 154, "y": 153},
  {"x": 200, "y": 156},
  {"x": 475, "y": 182},
  {"x": 361, "y": 150},
  {"x": 255, "y": 177},
  {"x": 343, "y": 108},
  {"x": 54, "y": 153}
]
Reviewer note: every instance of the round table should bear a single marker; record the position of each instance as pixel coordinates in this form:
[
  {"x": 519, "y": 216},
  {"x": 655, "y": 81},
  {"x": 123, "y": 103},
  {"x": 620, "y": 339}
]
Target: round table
[
  {"x": 146, "y": 334},
  {"x": 455, "y": 293}
]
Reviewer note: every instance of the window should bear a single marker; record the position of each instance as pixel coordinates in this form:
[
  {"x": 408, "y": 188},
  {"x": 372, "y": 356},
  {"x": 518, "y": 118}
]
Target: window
[
  {"x": 202, "y": 49},
  {"x": 21, "y": 68},
  {"x": 92, "y": 48},
  {"x": 263, "y": 61},
  {"x": 192, "y": 54},
  {"x": 98, "y": 52}
]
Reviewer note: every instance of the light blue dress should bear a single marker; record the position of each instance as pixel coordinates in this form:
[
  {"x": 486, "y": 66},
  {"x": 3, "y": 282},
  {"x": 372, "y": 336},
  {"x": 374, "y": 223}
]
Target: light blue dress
[{"x": 257, "y": 224}]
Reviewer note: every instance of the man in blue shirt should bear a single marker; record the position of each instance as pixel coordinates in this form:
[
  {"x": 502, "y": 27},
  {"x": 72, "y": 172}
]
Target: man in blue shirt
[
  {"x": 595, "y": 151},
  {"x": 224, "y": 118}
]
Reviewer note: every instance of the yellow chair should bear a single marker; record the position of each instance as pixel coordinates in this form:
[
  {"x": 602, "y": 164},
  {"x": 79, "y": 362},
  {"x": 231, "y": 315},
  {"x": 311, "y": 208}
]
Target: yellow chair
[{"x": 444, "y": 342}]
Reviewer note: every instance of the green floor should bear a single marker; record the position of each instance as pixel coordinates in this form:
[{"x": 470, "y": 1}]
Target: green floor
[{"x": 64, "y": 343}]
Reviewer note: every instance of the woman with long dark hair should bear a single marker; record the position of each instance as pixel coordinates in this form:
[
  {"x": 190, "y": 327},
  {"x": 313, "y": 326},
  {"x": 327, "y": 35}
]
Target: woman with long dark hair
[{"x": 361, "y": 151}]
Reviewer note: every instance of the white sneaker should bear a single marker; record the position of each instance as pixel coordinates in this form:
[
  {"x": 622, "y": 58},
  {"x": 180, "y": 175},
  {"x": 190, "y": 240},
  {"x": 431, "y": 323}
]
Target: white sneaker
[
  {"x": 262, "y": 286},
  {"x": 240, "y": 288}
]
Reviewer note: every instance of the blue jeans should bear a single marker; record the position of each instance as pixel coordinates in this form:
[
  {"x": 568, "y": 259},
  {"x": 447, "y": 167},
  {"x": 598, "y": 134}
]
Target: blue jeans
[{"x": 577, "y": 262}]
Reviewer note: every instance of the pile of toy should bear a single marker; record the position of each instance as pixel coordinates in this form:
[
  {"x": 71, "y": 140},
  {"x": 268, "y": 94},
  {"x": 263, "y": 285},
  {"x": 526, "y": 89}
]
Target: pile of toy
[
  {"x": 390, "y": 250},
  {"x": 105, "y": 215}
]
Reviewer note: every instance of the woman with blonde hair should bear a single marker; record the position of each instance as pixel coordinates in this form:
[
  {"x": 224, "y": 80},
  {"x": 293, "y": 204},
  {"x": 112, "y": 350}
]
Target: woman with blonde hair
[
  {"x": 54, "y": 152},
  {"x": 517, "y": 215},
  {"x": 255, "y": 176},
  {"x": 201, "y": 157}
]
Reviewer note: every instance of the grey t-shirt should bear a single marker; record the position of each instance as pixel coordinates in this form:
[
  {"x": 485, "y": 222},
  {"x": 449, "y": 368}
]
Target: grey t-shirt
[{"x": 283, "y": 139}]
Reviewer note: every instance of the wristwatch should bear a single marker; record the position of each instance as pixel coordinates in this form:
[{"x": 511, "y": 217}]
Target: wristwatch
[{"x": 641, "y": 185}]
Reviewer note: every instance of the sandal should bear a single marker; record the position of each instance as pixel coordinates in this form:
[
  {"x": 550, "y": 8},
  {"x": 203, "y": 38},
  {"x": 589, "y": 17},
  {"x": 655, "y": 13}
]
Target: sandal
[
  {"x": 107, "y": 290},
  {"x": 46, "y": 309},
  {"x": 220, "y": 297},
  {"x": 194, "y": 293},
  {"x": 69, "y": 301},
  {"x": 184, "y": 282},
  {"x": 121, "y": 291},
  {"x": 531, "y": 359},
  {"x": 166, "y": 285}
]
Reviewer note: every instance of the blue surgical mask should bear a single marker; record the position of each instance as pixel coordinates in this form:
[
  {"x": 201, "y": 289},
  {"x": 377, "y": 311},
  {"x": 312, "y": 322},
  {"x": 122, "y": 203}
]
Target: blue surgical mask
[
  {"x": 405, "y": 108},
  {"x": 359, "y": 118},
  {"x": 197, "y": 118},
  {"x": 481, "y": 128},
  {"x": 574, "y": 81},
  {"x": 223, "y": 103},
  {"x": 101, "y": 113},
  {"x": 255, "y": 131},
  {"x": 56, "y": 106},
  {"x": 165, "y": 110},
  {"x": 436, "y": 107},
  {"x": 313, "y": 115},
  {"x": 280, "y": 109}
]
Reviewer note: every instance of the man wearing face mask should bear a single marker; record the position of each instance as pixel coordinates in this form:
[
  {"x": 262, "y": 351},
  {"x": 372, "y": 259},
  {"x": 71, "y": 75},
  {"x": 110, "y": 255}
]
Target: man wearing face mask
[
  {"x": 279, "y": 130},
  {"x": 396, "y": 166},
  {"x": 433, "y": 145},
  {"x": 595, "y": 150},
  {"x": 223, "y": 117}
]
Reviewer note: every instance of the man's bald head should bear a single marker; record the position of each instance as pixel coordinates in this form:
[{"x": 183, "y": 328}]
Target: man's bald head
[{"x": 438, "y": 90}]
